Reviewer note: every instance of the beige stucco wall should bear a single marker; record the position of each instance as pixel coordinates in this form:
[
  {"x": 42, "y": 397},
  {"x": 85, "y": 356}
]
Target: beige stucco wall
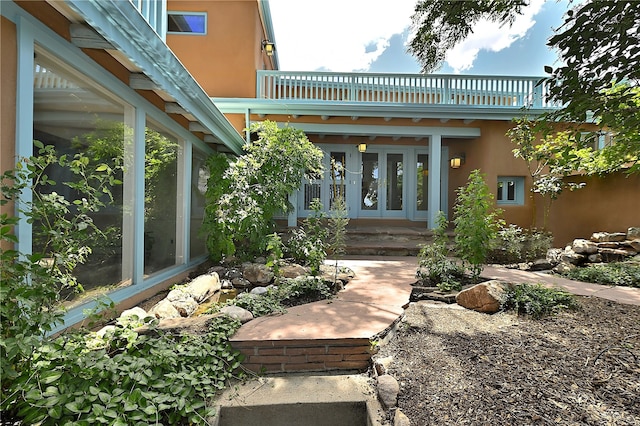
[{"x": 225, "y": 60}]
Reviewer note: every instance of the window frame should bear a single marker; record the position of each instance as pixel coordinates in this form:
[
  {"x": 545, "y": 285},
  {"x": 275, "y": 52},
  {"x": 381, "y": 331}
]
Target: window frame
[
  {"x": 187, "y": 13},
  {"x": 518, "y": 199}
]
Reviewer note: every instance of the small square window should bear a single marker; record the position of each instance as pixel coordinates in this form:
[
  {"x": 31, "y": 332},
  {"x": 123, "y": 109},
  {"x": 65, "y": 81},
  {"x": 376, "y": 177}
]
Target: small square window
[
  {"x": 187, "y": 23},
  {"x": 510, "y": 190}
]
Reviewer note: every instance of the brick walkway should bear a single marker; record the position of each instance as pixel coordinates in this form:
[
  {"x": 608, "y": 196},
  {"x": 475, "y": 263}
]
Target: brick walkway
[{"x": 336, "y": 334}]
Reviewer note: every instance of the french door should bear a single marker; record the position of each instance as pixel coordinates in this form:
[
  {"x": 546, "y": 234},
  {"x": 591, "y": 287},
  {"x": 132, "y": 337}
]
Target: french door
[{"x": 382, "y": 185}]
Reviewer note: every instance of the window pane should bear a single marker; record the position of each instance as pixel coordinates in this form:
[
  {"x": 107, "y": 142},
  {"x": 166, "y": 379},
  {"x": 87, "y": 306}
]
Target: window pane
[
  {"x": 311, "y": 192},
  {"x": 511, "y": 190},
  {"x": 499, "y": 196},
  {"x": 199, "y": 178},
  {"x": 422, "y": 193},
  {"x": 394, "y": 181},
  {"x": 338, "y": 171},
  {"x": 187, "y": 23},
  {"x": 369, "y": 199},
  {"x": 160, "y": 199},
  {"x": 77, "y": 117}
]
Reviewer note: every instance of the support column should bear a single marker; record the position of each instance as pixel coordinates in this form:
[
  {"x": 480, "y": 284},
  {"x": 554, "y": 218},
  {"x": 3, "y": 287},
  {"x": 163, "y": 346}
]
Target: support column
[
  {"x": 435, "y": 170},
  {"x": 292, "y": 218}
]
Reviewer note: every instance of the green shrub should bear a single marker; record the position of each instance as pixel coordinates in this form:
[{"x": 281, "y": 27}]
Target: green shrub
[
  {"x": 127, "y": 379},
  {"x": 307, "y": 243},
  {"x": 618, "y": 273},
  {"x": 476, "y": 224},
  {"x": 537, "y": 301},
  {"x": 434, "y": 267},
  {"x": 244, "y": 194},
  {"x": 514, "y": 244}
]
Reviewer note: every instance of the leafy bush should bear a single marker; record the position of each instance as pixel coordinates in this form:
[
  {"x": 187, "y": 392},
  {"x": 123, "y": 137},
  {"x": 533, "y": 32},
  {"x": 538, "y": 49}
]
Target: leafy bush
[
  {"x": 33, "y": 284},
  {"x": 434, "y": 267},
  {"x": 476, "y": 225},
  {"x": 244, "y": 194},
  {"x": 537, "y": 301},
  {"x": 127, "y": 379},
  {"x": 514, "y": 244},
  {"x": 617, "y": 273},
  {"x": 307, "y": 243}
]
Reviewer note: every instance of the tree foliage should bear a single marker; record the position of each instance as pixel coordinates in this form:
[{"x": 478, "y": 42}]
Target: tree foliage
[
  {"x": 244, "y": 194},
  {"x": 597, "y": 83}
]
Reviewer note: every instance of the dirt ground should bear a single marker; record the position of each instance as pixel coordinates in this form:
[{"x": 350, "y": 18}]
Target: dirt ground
[{"x": 460, "y": 367}]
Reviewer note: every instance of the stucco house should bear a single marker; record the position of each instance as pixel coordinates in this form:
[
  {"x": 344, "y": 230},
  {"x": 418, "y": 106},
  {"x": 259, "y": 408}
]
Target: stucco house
[{"x": 195, "y": 74}]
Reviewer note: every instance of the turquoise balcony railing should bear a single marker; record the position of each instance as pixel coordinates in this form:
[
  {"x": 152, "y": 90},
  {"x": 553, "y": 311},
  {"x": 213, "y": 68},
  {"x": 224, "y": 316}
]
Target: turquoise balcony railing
[
  {"x": 433, "y": 89},
  {"x": 155, "y": 12}
]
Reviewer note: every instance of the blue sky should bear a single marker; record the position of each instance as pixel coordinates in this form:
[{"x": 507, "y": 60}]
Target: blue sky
[{"x": 371, "y": 36}]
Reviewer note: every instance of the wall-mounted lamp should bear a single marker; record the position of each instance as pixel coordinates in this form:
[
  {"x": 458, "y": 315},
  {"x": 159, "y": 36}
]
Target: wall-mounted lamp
[
  {"x": 268, "y": 47},
  {"x": 457, "y": 161},
  {"x": 362, "y": 147}
]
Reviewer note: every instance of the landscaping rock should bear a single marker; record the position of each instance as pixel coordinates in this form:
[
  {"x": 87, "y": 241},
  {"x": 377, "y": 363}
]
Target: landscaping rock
[
  {"x": 602, "y": 237},
  {"x": 594, "y": 258},
  {"x": 241, "y": 283},
  {"x": 633, "y": 233},
  {"x": 564, "y": 267},
  {"x": 570, "y": 256},
  {"x": 164, "y": 310},
  {"x": 388, "y": 389},
  {"x": 237, "y": 312},
  {"x": 401, "y": 419},
  {"x": 484, "y": 297},
  {"x": 204, "y": 286},
  {"x": 259, "y": 291},
  {"x": 183, "y": 301},
  {"x": 293, "y": 271},
  {"x": 584, "y": 246},
  {"x": 257, "y": 273},
  {"x": 137, "y": 312},
  {"x": 540, "y": 265},
  {"x": 554, "y": 255},
  {"x": 381, "y": 365},
  {"x": 180, "y": 326}
]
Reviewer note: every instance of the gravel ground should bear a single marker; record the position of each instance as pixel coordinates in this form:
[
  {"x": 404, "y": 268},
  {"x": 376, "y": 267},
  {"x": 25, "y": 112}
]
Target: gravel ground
[{"x": 460, "y": 367}]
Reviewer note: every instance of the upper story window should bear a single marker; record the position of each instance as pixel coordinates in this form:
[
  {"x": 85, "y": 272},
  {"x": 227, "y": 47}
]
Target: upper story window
[
  {"x": 510, "y": 190},
  {"x": 187, "y": 23}
]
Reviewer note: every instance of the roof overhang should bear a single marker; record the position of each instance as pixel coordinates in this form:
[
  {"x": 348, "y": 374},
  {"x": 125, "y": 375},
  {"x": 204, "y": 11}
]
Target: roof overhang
[
  {"x": 134, "y": 42},
  {"x": 327, "y": 109}
]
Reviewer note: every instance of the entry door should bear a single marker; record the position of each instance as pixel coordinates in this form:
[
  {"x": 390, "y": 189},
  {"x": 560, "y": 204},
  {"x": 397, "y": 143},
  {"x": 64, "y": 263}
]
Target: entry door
[{"x": 382, "y": 184}]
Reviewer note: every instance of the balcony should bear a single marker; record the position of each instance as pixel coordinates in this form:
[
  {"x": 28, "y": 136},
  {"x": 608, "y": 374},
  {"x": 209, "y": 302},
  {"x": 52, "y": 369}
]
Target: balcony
[
  {"x": 405, "y": 89},
  {"x": 155, "y": 13}
]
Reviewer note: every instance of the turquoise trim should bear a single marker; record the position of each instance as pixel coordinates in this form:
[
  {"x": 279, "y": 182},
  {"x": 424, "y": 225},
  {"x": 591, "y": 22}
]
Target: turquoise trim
[
  {"x": 370, "y": 109},
  {"x": 380, "y": 130},
  {"x": 265, "y": 11}
]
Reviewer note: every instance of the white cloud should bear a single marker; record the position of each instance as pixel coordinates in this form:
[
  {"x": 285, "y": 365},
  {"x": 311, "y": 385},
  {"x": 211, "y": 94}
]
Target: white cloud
[
  {"x": 336, "y": 35},
  {"x": 491, "y": 36}
]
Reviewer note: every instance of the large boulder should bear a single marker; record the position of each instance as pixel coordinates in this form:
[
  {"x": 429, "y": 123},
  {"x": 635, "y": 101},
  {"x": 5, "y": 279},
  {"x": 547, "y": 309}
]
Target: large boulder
[
  {"x": 204, "y": 286},
  {"x": 633, "y": 233},
  {"x": 257, "y": 273},
  {"x": 581, "y": 246},
  {"x": 236, "y": 312},
  {"x": 293, "y": 271},
  {"x": 484, "y": 297},
  {"x": 183, "y": 301},
  {"x": 164, "y": 310},
  {"x": 604, "y": 237}
]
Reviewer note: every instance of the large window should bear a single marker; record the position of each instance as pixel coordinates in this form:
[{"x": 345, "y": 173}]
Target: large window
[
  {"x": 160, "y": 198},
  {"x": 187, "y": 23},
  {"x": 510, "y": 190},
  {"x": 76, "y": 116},
  {"x": 199, "y": 178}
]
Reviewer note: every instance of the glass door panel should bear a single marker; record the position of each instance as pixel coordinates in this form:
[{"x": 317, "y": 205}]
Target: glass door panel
[
  {"x": 338, "y": 176},
  {"x": 422, "y": 187},
  {"x": 393, "y": 180},
  {"x": 370, "y": 179}
]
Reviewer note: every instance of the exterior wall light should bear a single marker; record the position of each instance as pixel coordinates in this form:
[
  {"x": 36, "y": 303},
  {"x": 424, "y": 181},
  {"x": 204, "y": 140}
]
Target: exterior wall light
[
  {"x": 268, "y": 47},
  {"x": 457, "y": 161},
  {"x": 362, "y": 147}
]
